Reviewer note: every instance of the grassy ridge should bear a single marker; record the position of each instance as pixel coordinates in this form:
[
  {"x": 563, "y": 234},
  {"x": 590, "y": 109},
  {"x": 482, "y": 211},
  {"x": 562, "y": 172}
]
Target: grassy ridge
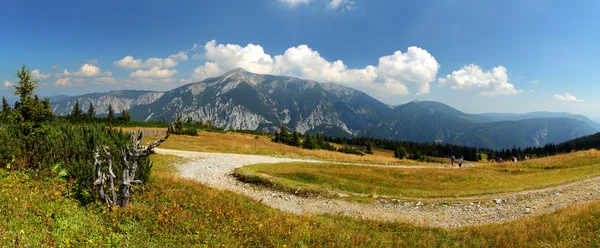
[
  {"x": 428, "y": 182},
  {"x": 247, "y": 144},
  {"x": 171, "y": 211}
]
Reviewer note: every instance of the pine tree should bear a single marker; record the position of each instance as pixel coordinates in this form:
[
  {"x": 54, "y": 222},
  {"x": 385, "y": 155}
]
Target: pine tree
[
  {"x": 29, "y": 111},
  {"x": 179, "y": 122},
  {"x": 76, "y": 112},
  {"x": 111, "y": 113},
  {"x": 91, "y": 112},
  {"x": 295, "y": 141},
  {"x": 309, "y": 142},
  {"x": 369, "y": 148},
  {"x": 125, "y": 117},
  {"x": 284, "y": 135},
  {"x": 400, "y": 152},
  {"x": 6, "y": 110}
]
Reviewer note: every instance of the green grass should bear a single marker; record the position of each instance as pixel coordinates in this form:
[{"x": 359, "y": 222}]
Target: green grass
[
  {"x": 170, "y": 211},
  {"x": 426, "y": 182}
]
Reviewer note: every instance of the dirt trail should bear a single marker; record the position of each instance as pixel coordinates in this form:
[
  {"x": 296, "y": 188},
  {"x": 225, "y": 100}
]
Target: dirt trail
[{"x": 214, "y": 170}]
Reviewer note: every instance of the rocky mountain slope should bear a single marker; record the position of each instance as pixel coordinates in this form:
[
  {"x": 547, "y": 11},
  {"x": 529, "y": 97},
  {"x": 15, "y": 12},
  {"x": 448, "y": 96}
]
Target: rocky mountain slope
[{"x": 243, "y": 100}]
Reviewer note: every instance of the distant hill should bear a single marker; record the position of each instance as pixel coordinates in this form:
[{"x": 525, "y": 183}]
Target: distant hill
[
  {"x": 493, "y": 117},
  {"x": 523, "y": 133},
  {"x": 243, "y": 100},
  {"x": 425, "y": 121}
]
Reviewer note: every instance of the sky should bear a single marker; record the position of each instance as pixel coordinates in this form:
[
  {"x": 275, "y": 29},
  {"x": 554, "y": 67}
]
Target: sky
[{"x": 477, "y": 56}]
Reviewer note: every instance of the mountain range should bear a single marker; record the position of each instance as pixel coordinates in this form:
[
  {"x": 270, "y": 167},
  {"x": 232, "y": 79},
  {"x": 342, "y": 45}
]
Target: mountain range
[{"x": 243, "y": 100}]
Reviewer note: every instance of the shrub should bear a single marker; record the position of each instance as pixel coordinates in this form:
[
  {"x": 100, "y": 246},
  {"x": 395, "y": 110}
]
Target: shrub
[{"x": 70, "y": 145}]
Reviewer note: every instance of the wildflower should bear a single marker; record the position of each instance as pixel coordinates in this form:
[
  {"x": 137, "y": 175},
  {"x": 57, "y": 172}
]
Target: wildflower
[{"x": 22, "y": 231}]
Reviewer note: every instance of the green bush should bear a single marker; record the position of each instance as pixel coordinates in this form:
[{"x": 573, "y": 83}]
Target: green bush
[{"x": 70, "y": 145}]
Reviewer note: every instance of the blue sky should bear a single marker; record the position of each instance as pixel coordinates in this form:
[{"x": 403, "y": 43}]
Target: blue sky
[{"x": 477, "y": 56}]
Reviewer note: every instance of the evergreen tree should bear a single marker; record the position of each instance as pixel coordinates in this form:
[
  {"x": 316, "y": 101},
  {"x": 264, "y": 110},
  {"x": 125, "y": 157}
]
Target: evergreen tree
[
  {"x": 76, "y": 113},
  {"x": 284, "y": 135},
  {"x": 189, "y": 121},
  {"x": 6, "y": 110},
  {"x": 400, "y": 152},
  {"x": 309, "y": 142},
  {"x": 111, "y": 113},
  {"x": 179, "y": 122},
  {"x": 295, "y": 141},
  {"x": 369, "y": 148},
  {"x": 91, "y": 112},
  {"x": 29, "y": 111},
  {"x": 125, "y": 116}
]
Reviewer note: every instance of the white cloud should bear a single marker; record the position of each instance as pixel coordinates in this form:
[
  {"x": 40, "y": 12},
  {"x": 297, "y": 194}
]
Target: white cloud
[
  {"x": 8, "y": 84},
  {"x": 54, "y": 67},
  {"x": 154, "y": 72},
  {"x": 292, "y": 3},
  {"x": 567, "y": 97},
  {"x": 65, "y": 73},
  {"x": 128, "y": 62},
  {"x": 185, "y": 81},
  {"x": 63, "y": 81},
  {"x": 93, "y": 62},
  {"x": 340, "y": 4},
  {"x": 107, "y": 74},
  {"x": 209, "y": 69},
  {"x": 535, "y": 81},
  {"x": 399, "y": 73},
  {"x": 37, "y": 75},
  {"x": 87, "y": 70},
  {"x": 105, "y": 80},
  {"x": 473, "y": 78}
]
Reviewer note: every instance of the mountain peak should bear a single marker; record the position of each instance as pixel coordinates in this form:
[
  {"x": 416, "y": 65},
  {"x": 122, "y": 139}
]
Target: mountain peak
[{"x": 240, "y": 74}]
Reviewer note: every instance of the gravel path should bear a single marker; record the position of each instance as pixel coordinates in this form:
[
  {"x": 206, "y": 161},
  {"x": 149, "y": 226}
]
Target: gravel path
[{"x": 214, "y": 170}]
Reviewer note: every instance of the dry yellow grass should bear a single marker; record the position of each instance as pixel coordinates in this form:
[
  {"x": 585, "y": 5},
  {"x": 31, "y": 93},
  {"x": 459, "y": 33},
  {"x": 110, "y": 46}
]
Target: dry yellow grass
[{"x": 247, "y": 144}]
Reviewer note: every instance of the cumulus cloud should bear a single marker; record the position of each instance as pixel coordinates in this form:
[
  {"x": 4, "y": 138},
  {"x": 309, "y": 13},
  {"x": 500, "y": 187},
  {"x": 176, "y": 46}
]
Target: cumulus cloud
[
  {"x": 8, "y": 84},
  {"x": 88, "y": 70},
  {"x": 93, "y": 62},
  {"x": 107, "y": 74},
  {"x": 399, "y": 73},
  {"x": 209, "y": 69},
  {"x": 37, "y": 75},
  {"x": 185, "y": 81},
  {"x": 567, "y": 97},
  {"x": 473, "y": 78},
  {"x": 63, "y": 81},
  {"x": 535, "y": 81},
  {"x": 129, "y": 62},
  {"x": 154, "y": 72},
  {"x": 54, "y": 67},
  {"x": 292, "y": 3},
  {"x": 340, "y": 5},
  {"x": 65, "y": 73}
]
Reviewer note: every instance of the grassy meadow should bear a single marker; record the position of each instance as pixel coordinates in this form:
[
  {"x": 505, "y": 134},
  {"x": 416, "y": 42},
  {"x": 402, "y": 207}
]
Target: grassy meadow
[
  {"x": 387, "y": 181},
  {"x": 170, "y": 211}
]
